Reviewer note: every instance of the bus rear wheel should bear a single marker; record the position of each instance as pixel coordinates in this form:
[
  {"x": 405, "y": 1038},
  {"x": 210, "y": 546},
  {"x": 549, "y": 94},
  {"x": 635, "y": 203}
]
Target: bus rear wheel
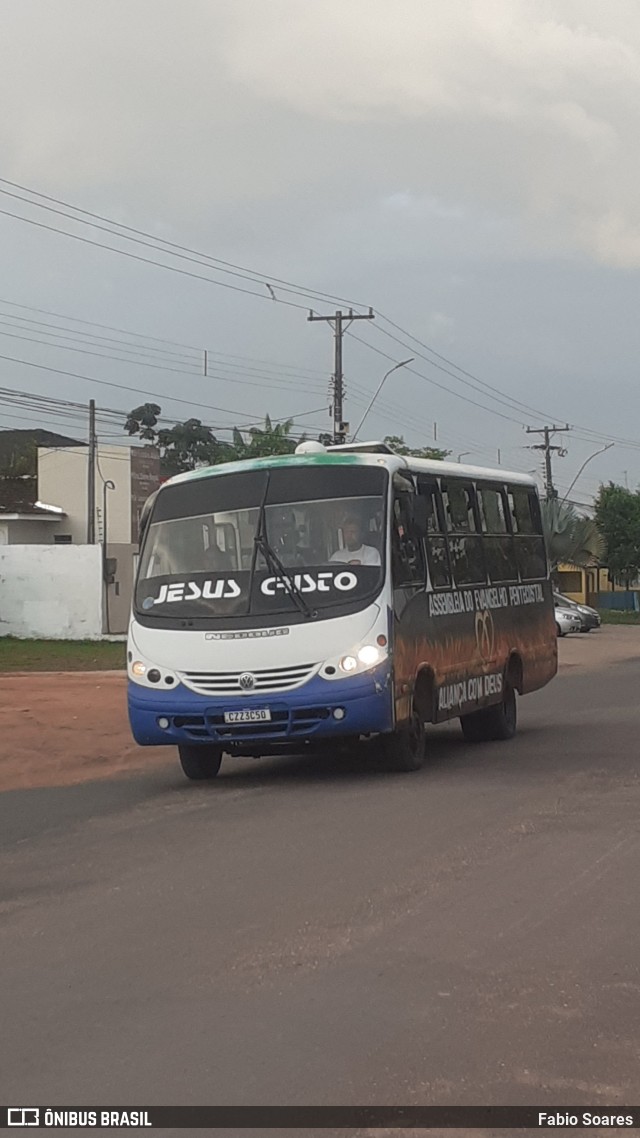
[
  {"x": 200, "y": 762},
  {"x": 492, "y": 723},
  {"x": 403, "y": 750}
]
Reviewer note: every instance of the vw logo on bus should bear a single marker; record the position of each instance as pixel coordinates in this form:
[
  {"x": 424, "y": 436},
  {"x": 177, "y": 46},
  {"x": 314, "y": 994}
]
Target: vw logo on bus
[{"x": 247, "y": 681}]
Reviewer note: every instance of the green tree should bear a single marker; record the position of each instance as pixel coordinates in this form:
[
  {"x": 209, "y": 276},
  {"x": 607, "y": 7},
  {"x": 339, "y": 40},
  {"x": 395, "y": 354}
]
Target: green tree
[
  {"x": 143, "y": 421},
  {"x": 188, "y": 445},
  {"x": 397, "y": 444},
  {"x": 571, "y": 539},
  {"x": 618, "y": 516}
]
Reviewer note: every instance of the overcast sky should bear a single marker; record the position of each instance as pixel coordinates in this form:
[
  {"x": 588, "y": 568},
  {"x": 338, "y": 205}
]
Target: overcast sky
[{"x": 469, "y": 169}]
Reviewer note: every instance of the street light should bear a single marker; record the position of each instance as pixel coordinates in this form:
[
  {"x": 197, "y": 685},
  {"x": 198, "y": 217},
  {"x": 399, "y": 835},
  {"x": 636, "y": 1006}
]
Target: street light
[
  {"x": 464, "y": 454},
  {"x": 594, "y": 455},
  {"x": 380, "y": 386}
]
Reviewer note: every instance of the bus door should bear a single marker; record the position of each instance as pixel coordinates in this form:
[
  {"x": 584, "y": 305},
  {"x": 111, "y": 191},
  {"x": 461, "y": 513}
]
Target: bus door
[{"x": 408, "y": 579}]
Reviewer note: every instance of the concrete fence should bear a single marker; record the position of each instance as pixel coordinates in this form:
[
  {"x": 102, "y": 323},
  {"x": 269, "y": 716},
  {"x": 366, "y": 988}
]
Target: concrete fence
[{"x": 51, "y": 592}]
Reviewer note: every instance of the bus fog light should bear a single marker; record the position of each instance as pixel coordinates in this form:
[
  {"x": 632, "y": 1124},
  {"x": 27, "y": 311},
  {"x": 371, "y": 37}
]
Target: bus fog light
[
  {"x": 369, "y": 655},
  {"x": 164, "y": 723},
  {"x": 339, "y": 713},
  {"x": 138, "y": 668},
  {"x": 348, "y": 663}
]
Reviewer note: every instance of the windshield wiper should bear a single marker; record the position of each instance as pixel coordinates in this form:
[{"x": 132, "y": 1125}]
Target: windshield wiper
[{"x": 261, "y": 544}]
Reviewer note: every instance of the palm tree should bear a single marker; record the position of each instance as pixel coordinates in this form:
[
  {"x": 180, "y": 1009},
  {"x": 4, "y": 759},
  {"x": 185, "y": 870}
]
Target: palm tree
[
  {"x": 270, "y": 439},
  {"x": 571, "y": 539}
]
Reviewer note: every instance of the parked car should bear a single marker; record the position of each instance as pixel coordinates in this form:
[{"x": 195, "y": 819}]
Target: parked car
[
  {"x": 589, "y": 618},
  {"x": 567, "y": 620}
]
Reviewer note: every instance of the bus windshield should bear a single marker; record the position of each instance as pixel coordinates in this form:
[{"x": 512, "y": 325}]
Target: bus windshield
[{"x": 243, "y": 544}]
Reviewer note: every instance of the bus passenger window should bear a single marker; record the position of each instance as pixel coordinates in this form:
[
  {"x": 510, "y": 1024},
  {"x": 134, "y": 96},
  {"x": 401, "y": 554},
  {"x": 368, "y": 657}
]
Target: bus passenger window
[
  {"x": 498, "y": 543},
  {"x": 525, "y": 513},
  {"x": 465, "y": 542},
  {"x": 527, "y": 527}
]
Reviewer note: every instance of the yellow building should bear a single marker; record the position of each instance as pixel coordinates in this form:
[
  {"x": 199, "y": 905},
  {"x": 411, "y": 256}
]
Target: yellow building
[{"x": 583, "y": 585}]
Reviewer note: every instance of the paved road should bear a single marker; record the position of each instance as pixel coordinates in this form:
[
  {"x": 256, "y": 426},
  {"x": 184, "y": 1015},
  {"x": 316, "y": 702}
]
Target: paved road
[{"x": 320, "y": 933}]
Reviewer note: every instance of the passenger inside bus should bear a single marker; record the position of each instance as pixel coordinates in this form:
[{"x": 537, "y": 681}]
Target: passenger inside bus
[
  {"x": 355, "y": 552},
  {"x": 217, "y": 560}
]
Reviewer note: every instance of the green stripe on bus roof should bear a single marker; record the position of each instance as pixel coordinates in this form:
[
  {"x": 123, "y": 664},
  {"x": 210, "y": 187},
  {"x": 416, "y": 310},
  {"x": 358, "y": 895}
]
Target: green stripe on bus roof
[{"x": 271, "y": 461}]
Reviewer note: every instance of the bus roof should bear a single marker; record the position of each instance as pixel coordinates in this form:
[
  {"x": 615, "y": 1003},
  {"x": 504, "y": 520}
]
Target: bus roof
[{"x": 369, "y": 454}]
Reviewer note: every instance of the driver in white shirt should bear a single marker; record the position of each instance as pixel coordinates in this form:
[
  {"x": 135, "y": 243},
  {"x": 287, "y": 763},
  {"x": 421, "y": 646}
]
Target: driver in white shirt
[{"x": 355, "y": 552}]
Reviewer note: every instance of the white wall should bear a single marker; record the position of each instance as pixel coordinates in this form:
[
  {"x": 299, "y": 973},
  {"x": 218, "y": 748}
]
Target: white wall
[
  {"x": 33, "y": 532},
  {"x": 62, "y": 481},
  {"x": 51, "y": 591}
]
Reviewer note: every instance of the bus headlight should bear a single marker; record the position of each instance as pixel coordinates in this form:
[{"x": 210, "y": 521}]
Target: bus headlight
[
  {"x": 361, "y": 659},
  {"x": 138, "y": 668}
]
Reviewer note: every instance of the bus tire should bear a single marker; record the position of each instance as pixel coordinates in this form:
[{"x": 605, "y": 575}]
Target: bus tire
[
  {"x": 200, "y": 762},
  {"x": 492, "y": 723},
  {"x": 403, "y": 750}
]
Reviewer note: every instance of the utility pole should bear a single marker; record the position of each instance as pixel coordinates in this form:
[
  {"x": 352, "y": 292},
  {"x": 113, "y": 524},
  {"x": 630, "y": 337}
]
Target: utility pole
[
  {"x": 546, "y": 446},
  {"x": 339, "y": 322},
  {"x": 91, "y": 477}
]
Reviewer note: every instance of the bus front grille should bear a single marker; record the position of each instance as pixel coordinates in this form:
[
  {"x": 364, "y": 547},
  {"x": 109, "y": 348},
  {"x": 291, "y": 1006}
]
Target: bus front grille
[
  {"x": 270, "y": 680},
  {"x": 299, "y": 722}
]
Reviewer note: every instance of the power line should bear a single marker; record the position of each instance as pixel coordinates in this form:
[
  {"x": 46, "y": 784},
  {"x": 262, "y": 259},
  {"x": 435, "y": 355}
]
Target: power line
[
  {"x": 503, "y": 396},
  {"x": 195, "y": 354},
  {"x": 169, "y": 248},
  {"x": 138, "y": 257},
  {"x": 122, "y": 232},
  {"x": 14, "y": 320},
  {"x": 121, "y": 386},
  {"x": 42, "y": 404},
  {"x": 490, "y": 388},
  {"x": 263, "y": 384},
  {"x": 511, "y": 404},
  {"x": 441, "y": 386}
]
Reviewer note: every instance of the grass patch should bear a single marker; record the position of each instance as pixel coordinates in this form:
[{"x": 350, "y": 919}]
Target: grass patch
[
  {"x": 61, "y": 655},
  {"x": 611, "y": 616}
]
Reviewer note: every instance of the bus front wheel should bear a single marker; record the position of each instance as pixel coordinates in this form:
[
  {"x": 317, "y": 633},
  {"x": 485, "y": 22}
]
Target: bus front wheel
[
  {"x": 200, "y": 762},
  {"x": 496, "y": 722},
  {"x": 403, "y": 750}
]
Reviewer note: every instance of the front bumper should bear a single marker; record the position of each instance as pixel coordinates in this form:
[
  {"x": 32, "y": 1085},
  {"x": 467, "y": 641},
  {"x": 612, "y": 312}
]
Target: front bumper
[{"x": 297, "y": 716}]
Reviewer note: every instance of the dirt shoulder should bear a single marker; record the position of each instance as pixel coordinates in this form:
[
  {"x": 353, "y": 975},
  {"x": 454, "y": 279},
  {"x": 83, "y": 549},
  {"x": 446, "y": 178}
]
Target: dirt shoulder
[{"x": 57, "y": 729}]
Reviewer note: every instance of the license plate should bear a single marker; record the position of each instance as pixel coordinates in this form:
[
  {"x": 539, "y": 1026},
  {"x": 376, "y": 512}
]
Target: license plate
[{"x": 257, "y": 715}]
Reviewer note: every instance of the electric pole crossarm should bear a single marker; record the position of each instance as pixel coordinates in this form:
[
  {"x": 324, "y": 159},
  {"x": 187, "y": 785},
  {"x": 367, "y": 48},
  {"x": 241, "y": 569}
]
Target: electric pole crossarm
[
  {"x": 340, "y": 321},
  {"x": 546, "y": 446}
]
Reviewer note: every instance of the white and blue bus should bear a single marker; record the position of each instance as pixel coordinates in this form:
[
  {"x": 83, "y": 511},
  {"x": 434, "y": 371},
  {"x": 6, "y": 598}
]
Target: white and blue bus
[{"x": 292, "y": 602}]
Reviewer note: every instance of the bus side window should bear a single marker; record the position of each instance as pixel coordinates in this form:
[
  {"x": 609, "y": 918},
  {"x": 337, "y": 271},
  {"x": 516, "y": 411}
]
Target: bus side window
[
  {"x": 436, "y": 541},
  {"x": 526, "y": 521},
  {"x": 407, "y": 555},
  {"x": 498, "y": 542},
  {"x": 465, "y": 541}
]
